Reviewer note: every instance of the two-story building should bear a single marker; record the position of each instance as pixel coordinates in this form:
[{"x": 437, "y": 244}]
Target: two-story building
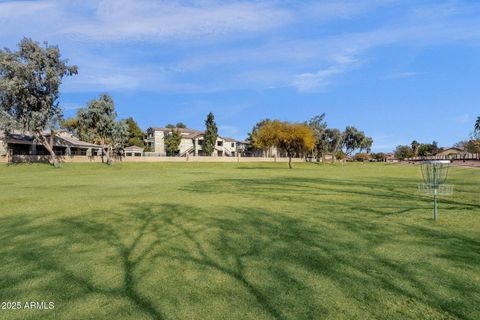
[{"x": 192, "y": 143}]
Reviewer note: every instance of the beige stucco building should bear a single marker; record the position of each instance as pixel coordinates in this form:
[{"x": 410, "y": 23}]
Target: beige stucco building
[
  {"x": 64, "y": 144},
  {"x": 192, "y": 143},
  {"x": 451, "y": 152}
]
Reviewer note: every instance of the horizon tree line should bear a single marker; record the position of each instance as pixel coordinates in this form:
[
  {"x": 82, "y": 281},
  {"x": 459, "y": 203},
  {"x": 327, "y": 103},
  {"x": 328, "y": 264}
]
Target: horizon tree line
[
  {"x": 312, "y": 138},
  {"x": 30, "y": 80},
  {"x": 416, "y": 149}
]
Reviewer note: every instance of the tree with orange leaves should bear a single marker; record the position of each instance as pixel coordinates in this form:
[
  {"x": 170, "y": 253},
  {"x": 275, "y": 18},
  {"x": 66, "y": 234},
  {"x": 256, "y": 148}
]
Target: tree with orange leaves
[{"x": 295, "y": 139}]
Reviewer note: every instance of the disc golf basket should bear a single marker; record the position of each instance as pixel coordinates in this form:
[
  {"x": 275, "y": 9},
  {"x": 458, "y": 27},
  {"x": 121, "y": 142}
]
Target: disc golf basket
[{"x": 434, "y": 175}]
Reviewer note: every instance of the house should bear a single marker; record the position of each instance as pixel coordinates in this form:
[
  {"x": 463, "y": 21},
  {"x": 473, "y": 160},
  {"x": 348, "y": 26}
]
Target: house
[
  {"x": 451, "y": 152},
  {"x": 133, "y": 151},
  {"x": 390, "y": 157},
  {"x": 24, "y": 144},
  {"x": 192, "y": 143}
]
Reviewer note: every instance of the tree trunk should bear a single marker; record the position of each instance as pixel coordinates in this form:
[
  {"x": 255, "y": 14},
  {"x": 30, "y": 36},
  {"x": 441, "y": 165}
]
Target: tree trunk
[
  {"x": 52, "y": 137},
  {"x": 106, "y": 150},
  {"x": 290, "y": 161},
  {"x": 49, "y": 146}
]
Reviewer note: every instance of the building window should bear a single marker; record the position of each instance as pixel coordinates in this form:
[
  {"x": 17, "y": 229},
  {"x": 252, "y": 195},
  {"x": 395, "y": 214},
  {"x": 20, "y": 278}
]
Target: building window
[
  {"x": 220, "y": 143},
  {"x": 233, "y": 144},
  {"x": 200, "y": 142}
]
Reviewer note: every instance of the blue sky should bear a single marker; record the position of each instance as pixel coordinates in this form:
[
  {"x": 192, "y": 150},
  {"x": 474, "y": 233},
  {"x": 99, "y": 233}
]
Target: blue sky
[{"x": 399, "y": 70}]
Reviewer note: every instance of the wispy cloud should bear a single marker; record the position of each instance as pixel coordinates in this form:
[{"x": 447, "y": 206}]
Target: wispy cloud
[
  {"x": 333, "y": 10},
  {"x": 313, "y": 81},
  {"x": 209, "y": 45},
  {"x": 118, "y": 20}
]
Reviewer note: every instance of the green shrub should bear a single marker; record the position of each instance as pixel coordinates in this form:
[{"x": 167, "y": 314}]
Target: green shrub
[
  {"x": 362, "y": 157},
  {"x": 340, "y": 155}
]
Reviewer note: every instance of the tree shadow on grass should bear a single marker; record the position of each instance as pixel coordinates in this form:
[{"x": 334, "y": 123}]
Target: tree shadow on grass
[
  {"x": 32, "y": 250},
  {"x": 396, "y": 191},
  {"x": 279, "y": 263},
  {"x": 355, "y": 266},
  {"x": 142, "y": 235}
]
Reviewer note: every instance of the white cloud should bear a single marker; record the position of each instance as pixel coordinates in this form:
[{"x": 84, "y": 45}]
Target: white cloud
[
  {"x": 216, "y": 45},
  {"x": 118, "y": 20},
  {"x": 313, "y": 81},
  {"x": 334, "y": 10},
  {"x": 441, "y": 10},
  {"x": 18, "y": 9}
]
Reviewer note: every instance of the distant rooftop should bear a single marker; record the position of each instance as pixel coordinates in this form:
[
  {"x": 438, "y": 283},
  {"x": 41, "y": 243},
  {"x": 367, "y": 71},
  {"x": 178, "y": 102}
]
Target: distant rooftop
[
  {"x": 182, "y": 130},
  {"x": 191, "y": 133},
  {"x": 62, "y": 139}
]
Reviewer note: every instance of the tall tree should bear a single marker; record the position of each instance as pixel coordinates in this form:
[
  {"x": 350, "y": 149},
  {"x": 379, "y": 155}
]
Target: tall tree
[
  {"x": 172, "y": 142},
  {"x": 256, "y": 127},
  {"x": 70, "y": 125},
  {"x": 135, "y": 134},
  {"x": 333, "y": 140},
  {"x": 97, "y": 124},
  {"x": 178, "y": 125},
  {"x": 352, "y": 139},
  {"x": 473, "y": 146},
  {"x": 292, "y": 138},
  {"x": 434, "y": 148},
  {"x": 211, "y": 134},
  {"x": 119, "y": 135},
  {"x": 461, "y": 144},
  {"x": 366, "y": 144},
  {"x": 30, "y": 80},
  {"x": 476, "y": 129},
  {"x": 318, "y": 126},
  {"x": 415, "y": 146},
  {"x": 403, "y": 152},
  {"x": 427, "y": 149}
]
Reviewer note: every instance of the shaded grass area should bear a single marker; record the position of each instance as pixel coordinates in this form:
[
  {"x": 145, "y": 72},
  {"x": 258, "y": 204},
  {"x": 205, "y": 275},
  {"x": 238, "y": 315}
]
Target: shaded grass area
[{"x": 227, "y": 241}]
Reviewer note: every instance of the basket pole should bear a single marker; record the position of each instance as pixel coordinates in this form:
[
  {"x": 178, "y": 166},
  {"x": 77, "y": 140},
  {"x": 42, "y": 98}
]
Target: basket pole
[{"x": 435, "y": 209}]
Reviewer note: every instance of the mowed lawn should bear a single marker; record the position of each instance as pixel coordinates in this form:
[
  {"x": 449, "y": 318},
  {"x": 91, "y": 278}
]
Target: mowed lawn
[{"x": 237, "y": 241}]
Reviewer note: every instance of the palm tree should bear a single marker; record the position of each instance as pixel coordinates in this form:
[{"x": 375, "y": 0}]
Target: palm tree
[
  {"x": 477, "y": 127},
  {"x": 415, "y": 146}
]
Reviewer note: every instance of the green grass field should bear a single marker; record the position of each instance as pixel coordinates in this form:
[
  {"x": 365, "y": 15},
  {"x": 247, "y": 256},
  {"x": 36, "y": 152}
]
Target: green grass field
[{"x": 229, "y": 241}]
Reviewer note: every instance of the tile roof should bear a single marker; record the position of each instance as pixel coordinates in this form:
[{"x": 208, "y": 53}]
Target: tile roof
[
  {"x": 182, "y": 130},
  {"x": 78, "y": 143},
  {"x": 193, "y": 135},
  {"x": 60, "y": 140},
  {"x": 230, "y": 139}
]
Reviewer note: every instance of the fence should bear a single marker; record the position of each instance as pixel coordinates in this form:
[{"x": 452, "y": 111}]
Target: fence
[
  {"x": 452, "y": 157},
  {"x": 46, "y": 158},
  {"x": 93, "y": 159}
]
